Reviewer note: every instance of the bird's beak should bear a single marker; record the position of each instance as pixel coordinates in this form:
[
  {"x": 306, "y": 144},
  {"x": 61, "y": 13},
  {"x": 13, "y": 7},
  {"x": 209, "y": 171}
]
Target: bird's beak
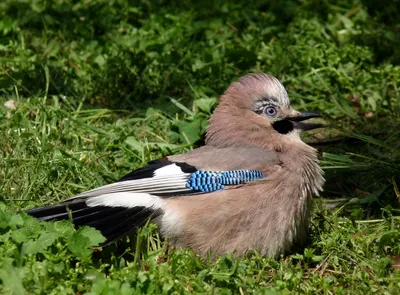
[{"x": 302, "y": 116}]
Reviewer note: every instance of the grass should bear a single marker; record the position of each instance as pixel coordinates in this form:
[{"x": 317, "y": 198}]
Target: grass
[{"x": 102, "y": 87}]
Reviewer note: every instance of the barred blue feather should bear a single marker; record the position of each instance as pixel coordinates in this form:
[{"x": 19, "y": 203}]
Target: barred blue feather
[{"x": 210, "y": 181}]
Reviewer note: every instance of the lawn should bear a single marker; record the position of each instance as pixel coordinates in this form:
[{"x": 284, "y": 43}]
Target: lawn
[{"x": 98, "y": 88}]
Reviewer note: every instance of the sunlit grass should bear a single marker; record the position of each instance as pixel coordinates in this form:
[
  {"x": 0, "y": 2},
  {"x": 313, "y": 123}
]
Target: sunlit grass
[{"x": 102, "y": 87}]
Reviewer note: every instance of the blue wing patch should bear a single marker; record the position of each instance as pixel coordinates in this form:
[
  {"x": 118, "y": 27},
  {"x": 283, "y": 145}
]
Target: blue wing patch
[{"x": 209, "y": 181}]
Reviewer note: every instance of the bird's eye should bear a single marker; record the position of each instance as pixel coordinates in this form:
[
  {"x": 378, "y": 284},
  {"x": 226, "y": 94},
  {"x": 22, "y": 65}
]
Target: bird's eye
[{"x": 270, "y": 111}]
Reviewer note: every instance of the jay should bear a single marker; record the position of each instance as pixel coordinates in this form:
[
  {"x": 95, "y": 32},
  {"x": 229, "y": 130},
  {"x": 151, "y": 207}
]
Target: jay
[{"x": 249, "y": 187}]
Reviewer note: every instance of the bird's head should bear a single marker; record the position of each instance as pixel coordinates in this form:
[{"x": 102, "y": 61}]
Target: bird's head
[{"x": 256, "y": 111}]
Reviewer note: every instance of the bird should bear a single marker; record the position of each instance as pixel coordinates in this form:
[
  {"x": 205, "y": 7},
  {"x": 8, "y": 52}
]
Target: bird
[{"x": 250, "y": 187}]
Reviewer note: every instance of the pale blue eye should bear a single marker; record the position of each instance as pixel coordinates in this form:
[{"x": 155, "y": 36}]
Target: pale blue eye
[{"x": 270, "y": 111}]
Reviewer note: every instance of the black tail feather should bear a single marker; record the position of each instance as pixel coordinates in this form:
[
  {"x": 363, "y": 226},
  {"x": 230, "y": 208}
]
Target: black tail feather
[
  {"x": 118, "y": 215},
  {"x": 134, "y": 220},
  {"x": 129, "y": 226},
  {"x": 113, "y": 222},
  {"x": 96, "y": 218},
  {"x": 55, "y": 212}
]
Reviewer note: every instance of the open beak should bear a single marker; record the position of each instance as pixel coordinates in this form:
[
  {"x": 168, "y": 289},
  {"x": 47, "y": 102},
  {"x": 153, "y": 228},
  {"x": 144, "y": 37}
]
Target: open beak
[{"x": 299, "y": 124}]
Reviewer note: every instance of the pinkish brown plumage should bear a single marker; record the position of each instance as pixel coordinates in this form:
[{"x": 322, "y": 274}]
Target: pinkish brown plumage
[{"x": 252, "y": 183}]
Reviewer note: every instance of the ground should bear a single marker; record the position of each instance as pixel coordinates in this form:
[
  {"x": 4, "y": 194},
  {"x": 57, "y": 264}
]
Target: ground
[{"x": 90, "y": 90}]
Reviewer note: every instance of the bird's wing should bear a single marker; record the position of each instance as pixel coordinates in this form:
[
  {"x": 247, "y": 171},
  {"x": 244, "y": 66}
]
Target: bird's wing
[
  {"x": 203, "y": 170},
  {"x": 119, "y": 208},
  {"x": 160, "y": 178}
]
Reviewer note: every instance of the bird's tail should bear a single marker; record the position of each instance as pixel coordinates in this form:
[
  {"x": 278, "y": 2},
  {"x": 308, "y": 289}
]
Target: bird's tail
[{"x": 113, "y": 222}]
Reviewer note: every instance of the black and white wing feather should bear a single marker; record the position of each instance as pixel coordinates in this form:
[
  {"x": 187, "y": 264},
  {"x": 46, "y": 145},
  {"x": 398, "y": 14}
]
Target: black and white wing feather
[{"x": 160, "y": 178}]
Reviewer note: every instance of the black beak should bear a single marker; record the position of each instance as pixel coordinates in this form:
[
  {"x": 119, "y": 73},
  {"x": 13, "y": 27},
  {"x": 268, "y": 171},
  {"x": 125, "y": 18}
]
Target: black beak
[{"x": 298, "y": 124}]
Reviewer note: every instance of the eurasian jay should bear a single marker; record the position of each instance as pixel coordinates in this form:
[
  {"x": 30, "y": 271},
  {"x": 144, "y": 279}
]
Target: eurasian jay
[{"x": 249, "y": 187}]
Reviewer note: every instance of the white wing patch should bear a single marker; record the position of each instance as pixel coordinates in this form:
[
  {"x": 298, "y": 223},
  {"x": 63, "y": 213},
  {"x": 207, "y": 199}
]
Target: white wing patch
[
  {"x": 127, "y": 200},
  {"x": 168, "y": 170}
]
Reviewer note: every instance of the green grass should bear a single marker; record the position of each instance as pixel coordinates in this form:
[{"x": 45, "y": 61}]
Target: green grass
[{"x": 103, "y": 87}]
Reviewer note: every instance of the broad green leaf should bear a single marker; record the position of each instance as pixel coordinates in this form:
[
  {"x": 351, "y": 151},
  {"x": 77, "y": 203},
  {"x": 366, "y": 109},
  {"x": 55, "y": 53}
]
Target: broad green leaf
[
  {"x": 79, "y": 245},
  {"x": 205, "y": 104},
  {"x": 191, "y": 131},
  {"x": 134, "y": 144},
  {"x": 93, "y": 234},
  {"x": 12, "y": 280},
  {"x": 44, "y": 241}
]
